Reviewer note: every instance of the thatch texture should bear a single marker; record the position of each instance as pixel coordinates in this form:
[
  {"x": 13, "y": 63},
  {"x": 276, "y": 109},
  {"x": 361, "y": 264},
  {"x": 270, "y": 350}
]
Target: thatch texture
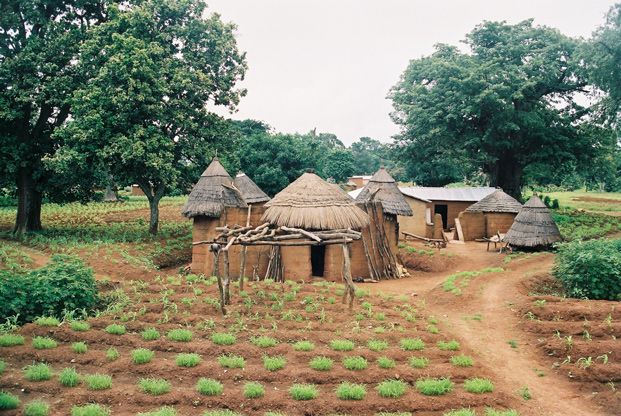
[
  {"x": 311, "y": 203},
  {"x": 250, "y": 191},
  {"x": 533, "y": 226},
  {"x": 212, "y": 193},
  {"x": 496, "y": 202},
  {"x": 383, "y": 188}
]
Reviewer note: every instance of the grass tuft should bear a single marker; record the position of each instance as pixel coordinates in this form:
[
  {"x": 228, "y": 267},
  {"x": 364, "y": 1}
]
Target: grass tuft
[
  {"x": 355, "y": 363},
  {"x": 38, "y": 372},
  {"x": 79, "y": 347},
  {"x": 253, "y": 390},
  {"x": 478, "y": 385},
  {"x": 98, "y": 381},
  {"x": 448, "y": 345},
  {"x": 142, "y": 356},
  {"x": 264, "y": 341},
  {"x": 419, "y": 362},
  {"x": 154, "y": 386},
  {"x": 47, "y": 321},
  {"x": 180, "y": 335},
  {"x": 303, "y": 346},
  {"x": 462, "y": 361},
  {"x": 115, "y": 329},
  {"x": 351, "y": 391},
  {"x": 386, "y": 363},
  {"x": 412, "y": 344},
  {"x": 8, "y": 401},
  {"x": 303, "y": 392},
  {"x": 150, "y": 334},
  {"x": 342, "y": 345},
  {"x": 220, "y": 338},
  {"x": 434, "y": 386},
  {"x": 274, "y": 363},
  {"x": 187, "y": 360},
  {"x": 69, "y": 377},
  {"x": 36, "y": 408},
  {"x": 80, "y": 326},
  {"x": 209, "y": 387},
  {"x": 90, "y": 410},
  {"x": 43, "y": 343},
  {"x": 377, "y": 345},
  {"x": 392, "y": 388},
  {"x": 232, "y": 361},
  {"x": 460, "y": 412},
  {"x": 162, "y": 411},
  {"x": 11, "y": 340},
  {"x": 112, "y": 354},
  {"x": 321, "y": 363}
]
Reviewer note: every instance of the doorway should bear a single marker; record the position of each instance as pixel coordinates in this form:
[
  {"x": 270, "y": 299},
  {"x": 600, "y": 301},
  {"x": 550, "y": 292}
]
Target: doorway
[
  {"x": 442, "y": 209},
  {"x": 318, "y": 260}
]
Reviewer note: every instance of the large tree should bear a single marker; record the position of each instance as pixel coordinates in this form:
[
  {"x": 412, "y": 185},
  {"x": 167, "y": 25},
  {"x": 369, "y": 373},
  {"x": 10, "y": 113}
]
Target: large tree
[
  {"x": 504, "y": 104},
  {"x": 155, "y": 68},
  {"x": 39, "y": 44}
]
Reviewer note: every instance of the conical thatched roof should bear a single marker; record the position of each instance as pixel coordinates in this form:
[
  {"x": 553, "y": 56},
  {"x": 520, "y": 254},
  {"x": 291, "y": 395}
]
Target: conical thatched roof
[
  {"x": 310, "y": 202},
  {"x": 383, "y": 188},
  {"x": 533, "y": 226},
  {"x": 250, "y": 191},
  {"x": 212, "y": 193},
  {"x": 498, "y": 201}
]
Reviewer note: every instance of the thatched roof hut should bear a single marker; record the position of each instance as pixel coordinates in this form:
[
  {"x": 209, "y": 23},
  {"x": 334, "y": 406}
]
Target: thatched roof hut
[
  {"x": 250, "y": 191},
  {"x": 533, "y": 226},
  {"x": 213, "y": 192},
  {"x": 383, "y": 188},
  {"x": 498, "y": 201},
  {"x": 310, "y": 202}
]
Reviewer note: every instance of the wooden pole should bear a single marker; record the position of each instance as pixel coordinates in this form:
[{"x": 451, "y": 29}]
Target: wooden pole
[
  {"x": 216, "y": 254},
  {"x": 242, "y": 267},
  {"x": 227, "y": 278},
  {"x": 349, "y": 283}
]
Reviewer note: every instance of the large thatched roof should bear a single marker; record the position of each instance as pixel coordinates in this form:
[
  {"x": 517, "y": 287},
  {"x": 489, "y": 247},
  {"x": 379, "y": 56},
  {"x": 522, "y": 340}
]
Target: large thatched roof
[
  {"x": 497, "y": 201},
  {"x": 310, "y": 202},
  {"x": 212, "y": 193},
  {"x": 533, "y": 226},
  {"x": 383, "y": 188},
  {"x": 250, "y": 191}
]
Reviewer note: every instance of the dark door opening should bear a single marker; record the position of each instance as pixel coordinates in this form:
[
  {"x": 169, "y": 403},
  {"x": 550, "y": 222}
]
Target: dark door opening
[
  {"x": 442, "y": 210},
  {"x": 318, "y": 260}
]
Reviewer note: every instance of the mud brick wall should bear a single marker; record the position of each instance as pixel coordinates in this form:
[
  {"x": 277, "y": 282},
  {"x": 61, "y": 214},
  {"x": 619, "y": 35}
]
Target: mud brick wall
[
  {"x": 297, "y": 262},
  {"x": 498, "y": 222},
  {"x": 416, "y": 224},
  {"x": 472, "y": 225}
]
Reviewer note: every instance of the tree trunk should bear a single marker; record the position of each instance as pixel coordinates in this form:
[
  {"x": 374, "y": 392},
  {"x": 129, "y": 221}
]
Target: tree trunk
[
  {"x": 28, "y": 204},
  {"x": 506, "y": 173},
  {"x": 154, "y": 194}
]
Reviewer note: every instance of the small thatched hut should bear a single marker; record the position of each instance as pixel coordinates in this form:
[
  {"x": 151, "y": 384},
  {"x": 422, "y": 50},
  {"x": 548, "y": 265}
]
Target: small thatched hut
[
  {"x": 382, "y": 188},
  {"x": 250, "y": 191},
  {"x": 491, "y": 215},
  {"x": 533, "y": 227}
]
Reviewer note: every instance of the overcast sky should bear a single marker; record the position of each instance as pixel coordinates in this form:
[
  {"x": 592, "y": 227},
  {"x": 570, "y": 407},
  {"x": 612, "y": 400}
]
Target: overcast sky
[{"x": 329, "y": 64}]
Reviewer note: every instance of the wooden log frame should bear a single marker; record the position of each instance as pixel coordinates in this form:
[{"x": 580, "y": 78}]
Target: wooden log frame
[{"x": 276, "y": 238}]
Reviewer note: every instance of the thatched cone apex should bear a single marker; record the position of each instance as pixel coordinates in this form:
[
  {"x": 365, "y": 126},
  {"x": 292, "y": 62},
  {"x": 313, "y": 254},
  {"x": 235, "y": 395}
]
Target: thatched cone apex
[
  {"x": 497, "y": 201},
  {"x": 250, "y": 191},
  {"x": 311, "y": 203},
  {"x": 383, "y": 188},
  {"x": 212, "y": 193},
  {"x": 533, "y": 226}
]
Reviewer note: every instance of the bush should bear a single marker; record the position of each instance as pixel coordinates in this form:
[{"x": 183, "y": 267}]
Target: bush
[
  {"x": 209, "y": 387},
  {"x": 90, "y": 410},
  {"x": 69, "y": 377},
  {"x": 253, "y": 390},
  {"x": 303, "y": 391},
  {"x": 188, "y": 360},
  {"x": 478, "y": 385},
  {"x": 38, "y": 372},
  {"x": 419, "y": 362},
  {"x": 392, "y": 388},
  {"x": 180, "y": 335},
  {"x": 219, "y": 338},
  {"x": 434, "y": 386},
  {"x": 36, "y": 408},
  {"x": 304, "y": 346},
  {"x": 377, "y": 345},
  {"x": 8, "y": 401},
  {"x": 351, "y": 391},
  {"x": 80, "y": 326},
  {"x": 355, "y": 363},
  {"x": 98, "y": 381},
  {"x": 115, "y": 329},
  {"x": 448, "y": 345},
  {"x": 142, "y": 356},
  {"x": 154, "y": 386},
  {"x": 590, "y": 269},
  {"x": 65, "y": 284},
  {"x": 11, "y": 340},
  {"x": 274, "y": 363},
  {"x": 462, "y": 361},
  {"x": 321, "y": 363},
  {"x": 412, "y": 344},
  {"x": 386, "y": 363},
  {"x": 264, "y": 341},
  {"x": 79, "y": 347},
  {"x": 342, "y": 345},
  {"x": 231, "y": 361},
  {"x": 112, "y": 354},
  {"x": 43, "y": 343},
  {"x": 47, "y": 321},
  {"x": 150, "y": 334}
]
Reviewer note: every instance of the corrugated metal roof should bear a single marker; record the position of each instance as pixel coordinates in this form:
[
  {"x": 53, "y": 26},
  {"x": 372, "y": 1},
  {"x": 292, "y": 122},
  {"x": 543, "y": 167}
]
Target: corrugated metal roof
[{"x": 429, "y": 194}]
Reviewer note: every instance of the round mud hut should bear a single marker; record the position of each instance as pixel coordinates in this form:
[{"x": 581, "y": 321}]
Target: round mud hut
[
  {"x": 491, "y": 215},
  {"x": 250, "y": 191},
  {"x": 533, "y": 227},
  {"x": 312, "y": 204}
]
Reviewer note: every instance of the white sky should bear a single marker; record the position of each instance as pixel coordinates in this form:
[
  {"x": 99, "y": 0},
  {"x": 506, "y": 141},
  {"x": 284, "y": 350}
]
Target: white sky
[{"x": 330, "y": 63}]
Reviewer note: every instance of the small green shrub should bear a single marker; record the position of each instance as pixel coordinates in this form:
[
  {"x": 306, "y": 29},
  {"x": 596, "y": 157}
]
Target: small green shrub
[
  {"x": 8, "y": 401},
  {"x": 412, "y": 344},
  {"x": 90, "y": 410},
  {"x": 274, "y": 363},
  {"x": 386, "y": 363},
  {"x": 112, "y": 354},
  {"x": 43, "y": 343},
  {"x": 462, "y": 361},
  {"x": 11, "y": 340},
  {"x": 150, "y": 334},
  {"x": 392, "y": 388},
  {"x": 448, "y": 345},
  {"x": 253, "y": 390},
  {"x": 220, "y": 338},
  {"x": 264, "y": 341},
  {"x": 478, "y": 385},
  {"x": 342, "y": 345},
  {"x": 321, "y": 363},
  {"x": 47, "y": 321},
  {"x": 36, "y": 408},
  {"x": 38, "y": 372},
  {"x": 303, "y": 346},
  {"x": 377, "y": 345},
  {"x": 69, "y": 377},
  {"x": 303, "y": 392},
  {"x": 351, "y": 391},
  {"x": 590, "y": 269},
  {"x": 115, "y": 329},
  {"x": 355, "y": 363},
  {"x": 232, "y": 361},
  {"x": 419, "y": 362},
  {"x": 80, "y": 326},
  {"x": 79, "y": 347},
  {"x": 209, "y": 387},
  {"x": 98, "y": 381},
  {"x": 434, "y": 386},
  {"x": 142, "y": 356},
  {"x": 180, "y": 335},
  {"x": 154, "y": 386},
  {"x": 188, "y": 360}
]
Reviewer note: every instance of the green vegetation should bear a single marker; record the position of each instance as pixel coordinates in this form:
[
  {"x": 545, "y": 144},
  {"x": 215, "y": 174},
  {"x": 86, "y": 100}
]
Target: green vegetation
[
  {"x": 355, "y": 363},
  {"x": 412, "y": 344},
  {"x": 79, "y": 347},
  {"x": 2, "y": 366},
  {"x": 209, "y": 387},
  {"x": 434, "y": 386},
  {"x": 220, "y": 338},
  {"x": 8, "y": 401},
  {"x": 36, "y": 408},
  {"x": 154, "y": 386},
  {"x": 386, "y": 363},
  {"x": 342, "y": 345},
  {"x": 180, "y": 335},
  {"x": 80, "y": 326},
  {"x": 90, "y": 410},
  {"x": 11, "y": 340},
  {"x": 524, "y": 393},
  {"x": 150, "y": 334},
  {"x": 142, "y": 356},
  {"x": 419, "y": 362},
  {"x": 460, "y": 412},
  {"x": 462, "y": 361},
  {"x": 458, "y": 281},
  {"x": 264, "y": 341},
  {"x": 43, "y": 343},
  {"x": 512, "y": 343},
  {"x": 112, "y": 354},
  {"x": 163, "y": 411},
  {"x": 303, "y": 392},
  {"x": 304, "y": 346},
  {"x": 38, "y": 372},
  {"x": 321, "y": 363},
  {"x": 115, "y": 329},
  {"x": 493, "y": 412},
  {"x": 47, "y": 321},
  {"x": 253, "y": 390},
  {"x": 351, "y": 391},
  {"x": 580, "y": 225},
  {"x": 232, "y": 361},
  {"x": 69, "y": 377},
  {"x": 448, "y": 345},
  {"x": 392, "y": 388},
  {"x": 377, "y": 345},
  {"x": 222, "y": 412},
  {"x": 478, "y": 385},
  {"x": 98, "y": 381},
  {"x": 188, "y": 360},
  {"x": 274, "y": 363}
]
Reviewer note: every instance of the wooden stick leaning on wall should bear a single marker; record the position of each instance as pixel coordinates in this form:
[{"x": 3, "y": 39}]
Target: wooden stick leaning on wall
[
  {"x": 242, "y": 267},
  {"x": 350, "y": 289}
]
